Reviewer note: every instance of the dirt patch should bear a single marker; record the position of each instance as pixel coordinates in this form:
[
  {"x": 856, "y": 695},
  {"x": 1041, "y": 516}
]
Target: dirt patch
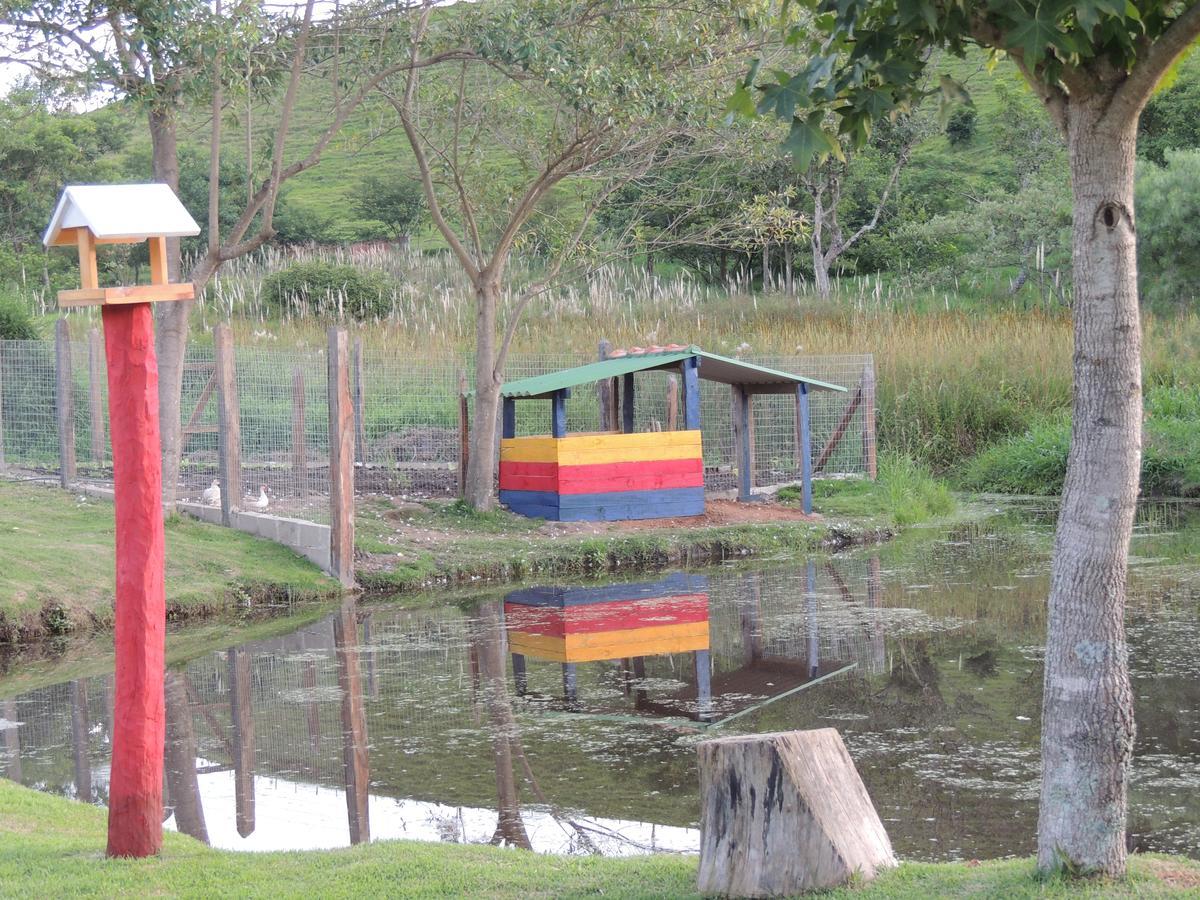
[{"x": 1176, "y": 874}]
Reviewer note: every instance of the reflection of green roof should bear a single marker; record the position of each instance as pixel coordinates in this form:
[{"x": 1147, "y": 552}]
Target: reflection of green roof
[{"x": 713, "y": 367}]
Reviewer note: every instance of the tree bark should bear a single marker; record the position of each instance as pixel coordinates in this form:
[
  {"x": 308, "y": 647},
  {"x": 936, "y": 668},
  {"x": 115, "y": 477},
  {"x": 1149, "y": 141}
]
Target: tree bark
[
  {"x": 1087, "y": 703},
  {"x": 171, "y": 328},
  {"x": 481, "y": 465},
  {"x": 820, "y": 273}
]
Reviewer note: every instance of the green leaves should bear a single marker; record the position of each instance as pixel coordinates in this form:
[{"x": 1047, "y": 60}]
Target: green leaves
[
  {"x": 807, "y": 141},
  {"x": 1034, "y": 34}
]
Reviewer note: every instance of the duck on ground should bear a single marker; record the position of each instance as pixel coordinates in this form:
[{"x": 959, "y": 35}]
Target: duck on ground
[
  {"x": 262, "y": 501},
  {"x": 211, "y": 495}
]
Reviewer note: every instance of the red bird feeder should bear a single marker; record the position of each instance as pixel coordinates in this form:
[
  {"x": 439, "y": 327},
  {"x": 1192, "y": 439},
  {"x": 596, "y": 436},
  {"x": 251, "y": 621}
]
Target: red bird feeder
[{"x": 86, "y": 216}]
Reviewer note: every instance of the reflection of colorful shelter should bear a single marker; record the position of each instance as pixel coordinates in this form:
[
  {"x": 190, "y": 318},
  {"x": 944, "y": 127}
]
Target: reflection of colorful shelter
[
  {"x": 619, "y": 621},
  {"x": 620, "y": 473},
  {"x": 570, "y": 625}
]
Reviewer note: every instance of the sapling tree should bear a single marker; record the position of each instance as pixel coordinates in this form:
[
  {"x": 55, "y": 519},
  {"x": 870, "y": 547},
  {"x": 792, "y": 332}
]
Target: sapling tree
[{"x": 1093, "y": 64}]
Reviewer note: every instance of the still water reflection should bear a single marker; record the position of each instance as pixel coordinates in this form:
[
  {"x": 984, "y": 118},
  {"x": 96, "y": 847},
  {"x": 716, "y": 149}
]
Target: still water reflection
[{"x": 564, "y": 719}]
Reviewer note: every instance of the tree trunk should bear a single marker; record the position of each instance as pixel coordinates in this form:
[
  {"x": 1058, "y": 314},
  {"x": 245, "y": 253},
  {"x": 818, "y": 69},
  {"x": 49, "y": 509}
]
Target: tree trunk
[
  {"x": 481, "y": 465},
  {"x": 766, "y": 267},
  {"x": 821, "y": 273},
  {"x": 172, "y": 326},
  {"x": 1087, "y": 704},
  {"x": 787, "y": 268}
]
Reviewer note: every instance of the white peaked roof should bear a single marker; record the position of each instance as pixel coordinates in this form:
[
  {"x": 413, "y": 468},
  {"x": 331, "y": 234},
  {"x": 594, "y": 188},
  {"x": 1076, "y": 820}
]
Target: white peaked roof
[{"x": 120, "y": 211}]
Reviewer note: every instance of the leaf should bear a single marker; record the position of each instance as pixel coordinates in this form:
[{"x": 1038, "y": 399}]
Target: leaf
[
  {"x": 807, "y": 141},
  {"x": 740, "y": 102},
  {"x": 782, "y": 99},
  {"x": 1033, "y": 34}
]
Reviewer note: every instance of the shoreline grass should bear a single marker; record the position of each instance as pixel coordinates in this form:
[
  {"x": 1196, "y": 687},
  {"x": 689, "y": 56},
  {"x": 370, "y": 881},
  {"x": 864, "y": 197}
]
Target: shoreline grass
[{"x": 54, "y": 848}]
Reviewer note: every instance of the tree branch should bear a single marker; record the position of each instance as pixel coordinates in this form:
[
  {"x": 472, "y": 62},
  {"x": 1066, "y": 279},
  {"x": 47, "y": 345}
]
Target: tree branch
[{"x": 1131, "y": 95}]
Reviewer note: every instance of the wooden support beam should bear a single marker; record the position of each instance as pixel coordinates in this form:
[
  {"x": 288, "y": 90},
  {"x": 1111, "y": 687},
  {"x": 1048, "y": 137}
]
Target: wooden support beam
[
  {"x": 79, "y": 741},
  {"x": 193, "y": 426},
  {"x": 299, "y": 436},
  {"x": 464, "y": 433},
  {"x": 743, "y": 448},
  {"x": 810, "y": 605},
  {"x": 341, "y": 459},
  {"x": 570, "y": 682},
  {"x": 558, "y": 414},
  {"x": 508, "y": 426},
  {"x": 158, "y": 260},
  {"x": 606, "y": 394},
  {"x": 672, "y": 402},
  {"x": 64, "y": 395},
  {"x": 690, "y": 369},
  {"x": 520, "y": 677},
  {"x": 89, "y": 276},
  {"x": 229, "y": 434},
  {"x": 241, "y": 714},
  {"x": 702, "y": 663},
  {"x": 839, "y": 431},
  {"x": 355, "y": 762},
  {"x": 870, "y": 462},
  {"x": 785, "y": 814},
  {"x": 804, "y": 446},
  {"x": 96, "y": 379},
  {"x": 627, "y": 404}
]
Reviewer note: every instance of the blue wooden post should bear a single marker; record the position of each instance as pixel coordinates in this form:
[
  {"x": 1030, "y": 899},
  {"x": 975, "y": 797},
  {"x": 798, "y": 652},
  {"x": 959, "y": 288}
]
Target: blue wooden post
[
  {"x": 508, "y": 426},
  {"x": 744, "y": 456},
  {"x": 804, "y": 430},
  {"x": 558, "y": 414},
  {"x": 703, "y": 661},
  {"x": 520, "y": 679},
  {"x": 627, "y": 404},
  {"x": 690, "y": 370},
  {"x": 814, "y": 637}
]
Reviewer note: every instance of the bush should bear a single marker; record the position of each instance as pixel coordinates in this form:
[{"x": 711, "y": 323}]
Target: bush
[
  {"x": 960, "y": 128},
  {"x": 1031, "y": 463},
  {"x": 330, "y": 289},
  {"x": 15, "y": 321}
]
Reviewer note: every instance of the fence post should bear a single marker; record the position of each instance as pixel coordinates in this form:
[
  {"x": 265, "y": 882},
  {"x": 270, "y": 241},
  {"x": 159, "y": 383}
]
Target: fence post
[
  {"x": 341, "y": 459},
  {"x": 628, "y": 418},
  {"x": 606, "y": 394},
  {"x": 2, "y": 463},
  {"x": 229, "y": 423},
  {"x": 95, "y": 398},
  {"x": 299, "y": 445},
  {"x": 868, "y": 435},
  {"x": 464, "y": 433},
  {"x": 360, "y": 431},
  {"x": 743, "y": 439},
  {"x": 65, "y": 403},
  {"x": 672, "y": 402}
]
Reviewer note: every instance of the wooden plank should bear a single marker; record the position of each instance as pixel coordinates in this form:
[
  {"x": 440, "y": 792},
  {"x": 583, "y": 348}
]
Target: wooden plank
[
  {"x": 508, "y": 421},
  {"x": 870, "y": 460},
  {"x": 96, "y": 378},
  {"x": 558, "y": 414},
  {"x": 649, "y": 481},
  {"x": 355, "y": 762},
  {"x": 89, "y": 277},
  {"x": 623, "y": 512},
  {"x": 360, "y": 411},
  {"x": 804, "y": 446},
  {"x": 742, "y": 415},
  {"x": 299, "y": 436},
  {"x": 685, "y": 638},
  {"x": 138, "y": 293},
  {"x": 209, "y": 386},
  {"x": 839, "y": 431},
  {"x": 606, "y": 394},
  {"x": 341, "y": 459},
  {"x": 64, "y": 402},
  {"x": 627, "y": 404},
  {"x": 229, "y": 435},
  {"x": 616, "y": 616},
  {"x": 672, "y": 402},
  {"x": 690, "y": 369},
  {"x": 676, "y": 584}
]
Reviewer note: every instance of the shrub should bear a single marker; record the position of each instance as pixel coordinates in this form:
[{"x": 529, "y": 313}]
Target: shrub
[
  {"x": 1031, "y": 463},
  {"x": 15, "y": 321},
  {"x": 960, "y": 128},
  {"x": 330, "y": 289}
]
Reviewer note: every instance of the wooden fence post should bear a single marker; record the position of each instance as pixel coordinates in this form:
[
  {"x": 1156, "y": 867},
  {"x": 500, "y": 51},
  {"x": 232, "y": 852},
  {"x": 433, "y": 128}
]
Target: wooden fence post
[
  {"x": 743, "y": 439},
  {"x": 606, "y": 394},
  {"x": 2, "y": 463},
  {"x": 96, "y": 377},
  {"x": 229, "y": 423},
  {"x": 355, "y": 762},
  {"x": 299, "y": 438},
  {"x": 65, "y": 403},
  {"x": 672, "y": 402},
  {"x": 464, "y": 433},
  {"x": 868, "y": 435},
  {"x": 360, "y": 408},
  {"x": 628, "y": 419},
  {"x": 341, "y": 459},
  {"x": 241, "y": 715},
  {"x": 804, "y": 445}
]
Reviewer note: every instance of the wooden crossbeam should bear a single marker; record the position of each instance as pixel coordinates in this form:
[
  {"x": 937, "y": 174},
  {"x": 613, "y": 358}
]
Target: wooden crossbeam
[{"x": 840, "y": 431}]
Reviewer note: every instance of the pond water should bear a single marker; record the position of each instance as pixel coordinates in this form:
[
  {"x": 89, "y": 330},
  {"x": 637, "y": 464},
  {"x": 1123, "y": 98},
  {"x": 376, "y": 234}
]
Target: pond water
[{"x": 565, "y": 719}]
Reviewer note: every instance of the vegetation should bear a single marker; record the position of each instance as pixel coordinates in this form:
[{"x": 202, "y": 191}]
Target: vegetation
[
  {"x": 905, "y": 493},
  {"x": 57, "y": 577},
  {"x": 15, "y": 322},
  {"x": 51, "y": 850},
  {"x": 328, "y": 291}
]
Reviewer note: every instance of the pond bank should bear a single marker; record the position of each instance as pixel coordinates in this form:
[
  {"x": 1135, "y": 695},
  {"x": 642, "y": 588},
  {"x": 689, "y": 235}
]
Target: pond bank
[
  {"x": 53, "y": 848},
  {"x": 57, "y": 577}
]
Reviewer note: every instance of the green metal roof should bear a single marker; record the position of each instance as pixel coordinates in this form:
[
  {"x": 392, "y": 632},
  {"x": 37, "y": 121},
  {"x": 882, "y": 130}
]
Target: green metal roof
[{"x": 758, "y": 379}]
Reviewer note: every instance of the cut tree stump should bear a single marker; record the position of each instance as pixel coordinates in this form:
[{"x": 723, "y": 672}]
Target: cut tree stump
[{"x": 785, "y": 813}]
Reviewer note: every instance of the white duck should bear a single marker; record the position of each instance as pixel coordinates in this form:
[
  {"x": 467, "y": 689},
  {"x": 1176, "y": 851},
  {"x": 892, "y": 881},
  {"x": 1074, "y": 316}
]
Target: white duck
[
  {"x": 212, "y": 494},
  {"x": 262, "y": 501}
]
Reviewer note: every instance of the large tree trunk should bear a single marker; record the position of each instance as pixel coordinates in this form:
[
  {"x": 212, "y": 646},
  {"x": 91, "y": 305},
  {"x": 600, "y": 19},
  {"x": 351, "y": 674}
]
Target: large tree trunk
[
  {"x": 171, "y": 328},
  {"x": 1087, "y": 704},
  {"x": 481, "y": 465},
  {"x": 820, "y": 273}
]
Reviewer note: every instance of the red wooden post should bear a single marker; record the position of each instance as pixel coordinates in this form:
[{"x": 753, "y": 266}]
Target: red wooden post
[{"x": 135, "y": 787}]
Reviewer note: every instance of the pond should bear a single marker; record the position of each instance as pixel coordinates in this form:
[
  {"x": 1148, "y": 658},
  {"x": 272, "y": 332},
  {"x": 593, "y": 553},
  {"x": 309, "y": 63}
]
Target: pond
[{"x": 565, "y": 718}]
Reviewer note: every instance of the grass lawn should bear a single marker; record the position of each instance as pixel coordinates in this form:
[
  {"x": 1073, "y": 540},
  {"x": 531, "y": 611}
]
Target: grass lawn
[
  {"x": 57, "y": 575},
  {"x": 54, "y": 848}
]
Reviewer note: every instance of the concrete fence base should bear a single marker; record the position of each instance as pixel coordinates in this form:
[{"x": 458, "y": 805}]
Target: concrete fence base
[{"x": 308, "y": 539}]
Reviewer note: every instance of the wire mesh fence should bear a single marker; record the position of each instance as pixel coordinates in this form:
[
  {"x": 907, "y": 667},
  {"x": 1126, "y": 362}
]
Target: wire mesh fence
[{"x": 407, "y": 419}]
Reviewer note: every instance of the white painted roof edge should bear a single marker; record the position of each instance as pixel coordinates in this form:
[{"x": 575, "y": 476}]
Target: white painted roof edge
[{"x": 121, "y": 211}]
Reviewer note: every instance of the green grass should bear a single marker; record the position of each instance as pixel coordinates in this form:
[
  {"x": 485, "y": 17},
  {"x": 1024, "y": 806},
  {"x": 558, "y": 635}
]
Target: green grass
[
  {"x": 53, "y": 847},
  {"x": 905, "y": 493},
  {"x": 58, "y": 566}
]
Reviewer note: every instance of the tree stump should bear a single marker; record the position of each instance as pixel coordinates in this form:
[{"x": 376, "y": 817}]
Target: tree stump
[{"x": 785, "y": 813}]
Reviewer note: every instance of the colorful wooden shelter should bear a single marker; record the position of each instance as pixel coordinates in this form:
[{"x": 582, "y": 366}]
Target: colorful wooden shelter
[{"x": 622, "y": 474}]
